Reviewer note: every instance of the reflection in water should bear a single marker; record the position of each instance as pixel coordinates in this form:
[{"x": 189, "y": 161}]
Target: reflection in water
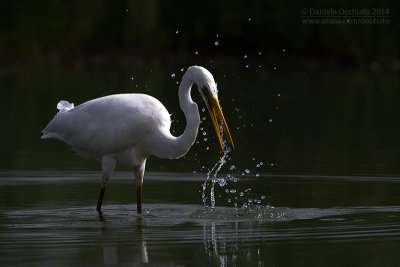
[
  {"x": 111, "y": 248},
  {"x": 143, "y": 249},
  {"x": 110, "y": 254},
  {"x": 50, "y": 231},
  {"x": 225, "y": 247}
]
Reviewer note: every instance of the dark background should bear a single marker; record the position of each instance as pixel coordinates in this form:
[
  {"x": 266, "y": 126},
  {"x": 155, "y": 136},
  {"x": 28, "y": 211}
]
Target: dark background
[
  {"x": 75, "y": 32},
  {"x": 300, "y": 98}
]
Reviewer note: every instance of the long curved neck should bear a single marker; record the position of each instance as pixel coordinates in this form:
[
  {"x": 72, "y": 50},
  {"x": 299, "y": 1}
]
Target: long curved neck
[{"x": 176, "y": 147}]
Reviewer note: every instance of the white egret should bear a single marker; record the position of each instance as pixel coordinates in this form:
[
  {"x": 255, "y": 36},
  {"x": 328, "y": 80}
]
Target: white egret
[{"x": 128, "y": 128}]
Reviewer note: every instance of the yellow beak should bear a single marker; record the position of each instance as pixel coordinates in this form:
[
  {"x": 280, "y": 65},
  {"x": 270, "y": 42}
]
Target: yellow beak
[{"x": 215, "y": 112}]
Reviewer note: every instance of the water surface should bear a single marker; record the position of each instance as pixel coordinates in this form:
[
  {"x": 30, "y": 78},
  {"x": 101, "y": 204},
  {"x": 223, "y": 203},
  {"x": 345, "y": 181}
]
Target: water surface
[
  {"x": 313, "y": 181},
  {"x": 49, "y": 218}
]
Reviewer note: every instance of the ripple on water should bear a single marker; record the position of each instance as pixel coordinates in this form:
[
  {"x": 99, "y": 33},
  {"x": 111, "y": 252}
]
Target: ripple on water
[
  {"x": 53, "y": 225},
  {"x": 185, "y": 212},
  {"x": 265, "y": 213}
]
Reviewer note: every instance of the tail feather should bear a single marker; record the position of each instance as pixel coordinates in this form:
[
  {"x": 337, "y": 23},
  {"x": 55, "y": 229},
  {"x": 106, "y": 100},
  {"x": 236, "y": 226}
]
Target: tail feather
[
  {"x": 64, "y": 106},
  {"x": 52, "y": 129}
]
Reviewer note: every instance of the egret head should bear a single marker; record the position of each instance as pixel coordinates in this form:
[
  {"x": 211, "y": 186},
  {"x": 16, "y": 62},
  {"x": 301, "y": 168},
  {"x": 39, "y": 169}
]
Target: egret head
[{"x": 209, "y": 93}]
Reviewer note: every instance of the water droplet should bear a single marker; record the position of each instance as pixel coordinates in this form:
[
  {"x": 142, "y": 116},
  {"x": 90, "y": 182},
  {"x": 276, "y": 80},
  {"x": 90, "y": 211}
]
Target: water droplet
[
  {"x": 126, "y": 10},
  {"x": 247, "y": 66},
  {"x": 203, "y": 118},
  {"x": 204, "y": 133},
  {"x": 233, "y": 191},
  {"x": 283, "y": 50},
  {"x": 227, "y": 190},
  {"x": 247, "y": 171},
  {"x": 257, "y": 174},
  {"x": 258, "y": 165},
  {"x": 275, "y": 68},
  {"x": 279, "y": 94},
  {"x": 272, "y": 164},
  {"x": 249, "y": 19},
  {"x": 241, "y": 194},
  {"x": 207, "y": 148},
  {"x": 254, "y": 158},
  {"x": 177, "y": 82},
  {"x": 203, "y": 109},
  {"x": 194, "y": 172},
  {"x": 216, "y": 43},
  {"x": 262, "y": 197},
  {"x": 245, "y": 56},
  {"x": 205, "y": 139},
  {"x": 196, "y": 53},
  {"x": 132, "y": 78},
  {"x": 229, "y": 200},
  {"x": 182, "y": 69},
  {"x": 172, "y": 75},
  {"x": 270, "y": 120},
  {"x": 177, "y": 32},
  {"x": 232, "y": 167},
  {"x": 235, "y": 180},
  {"x": 261, "y": 163},
  {"x": 259, "y": 53}
]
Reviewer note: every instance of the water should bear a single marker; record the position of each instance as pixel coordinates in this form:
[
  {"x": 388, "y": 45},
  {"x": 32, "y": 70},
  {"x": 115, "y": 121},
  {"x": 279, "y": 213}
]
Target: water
[
  {"x": 313, "y": 180},
  {"x": 49, "y": 218},
  {"x": 214, "y": 171}
]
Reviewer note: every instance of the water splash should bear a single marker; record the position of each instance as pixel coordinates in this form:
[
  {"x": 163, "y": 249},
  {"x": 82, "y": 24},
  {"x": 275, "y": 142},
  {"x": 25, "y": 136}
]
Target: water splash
[
  {"x": 253, "y": 212},
  {"x": 214, "y": 172}
]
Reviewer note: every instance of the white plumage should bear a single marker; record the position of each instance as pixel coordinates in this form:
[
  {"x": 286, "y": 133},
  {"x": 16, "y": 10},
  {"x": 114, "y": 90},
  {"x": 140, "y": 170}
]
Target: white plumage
[{"x": 128, "y": 128}]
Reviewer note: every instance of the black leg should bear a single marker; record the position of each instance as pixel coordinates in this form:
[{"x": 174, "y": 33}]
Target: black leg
[
  {"x": 139, "y": 198},
  {"x": 100, "y": 201},
  {"x": 139, "y": 172}
]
